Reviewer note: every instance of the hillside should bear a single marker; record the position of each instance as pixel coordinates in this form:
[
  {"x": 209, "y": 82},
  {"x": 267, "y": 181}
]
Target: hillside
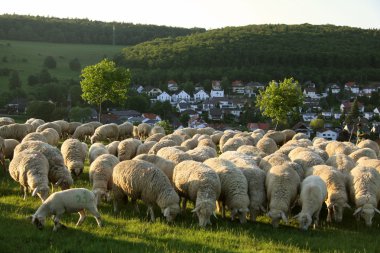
[
  {"x": 322, "y": 53},
  {"x": 50, "y": 29}
]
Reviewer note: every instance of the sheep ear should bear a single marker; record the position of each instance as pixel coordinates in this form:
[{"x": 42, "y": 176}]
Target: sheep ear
[
  {"x": 377, "y": 211},
  {"x": 34, "y": 192},
  {"x": 283, "y": 217},
  {"x": 347, "y": 205},
  {"x": 357, "y": 211}
]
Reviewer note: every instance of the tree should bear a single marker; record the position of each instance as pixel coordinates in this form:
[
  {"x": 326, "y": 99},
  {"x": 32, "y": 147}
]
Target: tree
[
  {"x": 80, "y": 114},
  {"x": 104, "y": 82},
  {"x": 184, "y": 119},
  {"x": 280, "y": 100},
  {"x": 50, "y": 62},
  {"x": 354, "y": 114},
  {"x": 166, "y": 125},
  {"x": 14, "y": 80},
  {"x": 317, "y": 124},
  {"x": 138, "y": 103},
  {"x": 41, "y": 110},
  {"x": 75, "y": 65}
]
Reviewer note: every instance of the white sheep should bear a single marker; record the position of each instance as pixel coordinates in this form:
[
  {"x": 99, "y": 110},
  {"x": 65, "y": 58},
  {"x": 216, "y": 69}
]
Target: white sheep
[
  {"x": 234, "y": 192},
  {"x": 143, "y": 130},
  {"x": 74, "y": 154},
  {"x": 145, "y": 147},
  {"x": 83, "y": 132},
  {"x": 161, "y": 144},
  {"x": 190, "y": 143},
  {"x": 9, "y": 147},
  {"x": 271, "y": 160},
  {"x": 51, "y": 136},
  {"x": 155, "y": 137},
  {"x": 267, "y": 145},
  {"x": 6, "y": 121},
  {"x": 307, "y": 159},
  {"x": 289, "y": 133},
  {"x": 72, "y": 127},
  {"x": 173, "y": 154},
  {"x": 252, "y": 151},
  {"x": 197, "y": 182},
  {"x": 31, "y": 169},
  {"x": 278, "y": 136},
  {"x": 112, "y": 147},
  {"x": 365, "y": 192},
  {"x": 299, "y": 136},
  {"x": 34, "y": 137},
  {"x": 282, "y": 184},
  {"x": 127, "y": 149},
  {"x": 15, "y": 131},
  {"x": 206, "y": 142},
  {"x": 96, "y": 149},
  {"x": 65, "y": 126},
  {"x": 156, "y": 130},
  {"x": 363, "y": 152},
  {"x": 370, "y": 144},
  {"x": 70, "y": 201},
  {"x": 125, "y": 130},
  {"x": 313, "y": 194},
  {"x": 107, "y": 132},
  {"x": 35, "y": 123},
  {"x": 163, "y": 164},
  {"x": 202, "y": 153},
  {"x": 100, "y": 175},
  {"x": 178, "y": 139},
  {"x": 50, "y": 125},
  {"x": 337, "y": 147},
  {"x": 143, "y": 180}
]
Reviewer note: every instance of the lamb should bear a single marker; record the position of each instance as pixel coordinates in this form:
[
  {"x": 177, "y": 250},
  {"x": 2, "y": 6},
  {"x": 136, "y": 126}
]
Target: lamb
[
  {"x": 125, "y": 130},
  {"x": 313, "y": 194},
  {"x": 127, "y": 149},
  {"x": 234, "y": 191},
  {"x": 96, "y": 149},
  {"x": 370, "y": 144},
  {"x": 59, "y": 175},
  {"x": 9, "y": 147},
  {"x": 364, "y": 192},
  {"x": 34, "y": 137},
  {"x": 143, "y": 180},
  {"x": 143, "y": 130},
  {"x": 202, "y": 153},
  {"x": 83, "y": 132},
  {"x": 282, "y": 184},
  {"x": 105, "y": 132},
  {"x": 363, "y": 152},
  {"x": 74, "y": 154},
  {"x": 112, "y": 147},
  {"x": 336, "y": 190},
  {"x": 267, "y": 145},
  {"x": 51, "y": 136},
  {"x": 174, "y": 155},
  {"x": 197, "y": 182},
  {"x": 163, "y": 164},
  {"x": 31, "y": 169},
  {"x": 50, "y": 125},
  {"x": 101, "y": 176},
  {"x": 70, "y": 201}
]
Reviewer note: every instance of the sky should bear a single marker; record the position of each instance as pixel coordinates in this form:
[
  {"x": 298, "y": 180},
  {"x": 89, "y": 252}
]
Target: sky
[{"x": 209, "y": 14}]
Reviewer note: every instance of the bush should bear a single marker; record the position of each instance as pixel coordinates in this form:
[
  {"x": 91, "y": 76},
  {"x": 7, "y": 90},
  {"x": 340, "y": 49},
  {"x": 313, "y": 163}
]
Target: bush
[
  {"x": 50, "y": 62},
  {"x": 75, "y": 65},
  {"x": 81, "y": 114},
  {"x": 41, "y": 110}
]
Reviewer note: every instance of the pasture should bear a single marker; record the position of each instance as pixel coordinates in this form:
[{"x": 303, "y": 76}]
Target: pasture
[{"x": 132, "y": 232}]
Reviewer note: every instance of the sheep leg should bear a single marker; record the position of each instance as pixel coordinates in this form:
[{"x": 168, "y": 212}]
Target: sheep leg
[
  {"x": 151, "y": 212},
  {"x": 329, "y": 214},
  {"x": 94, "y": 211},
  {"x": 82, "y": 216},
  {"x": 57, "y": 224},
  {"x": 25, "y": 192},
  {"x": 221, "y": 208},
  {"x": 135, "y": 205}
]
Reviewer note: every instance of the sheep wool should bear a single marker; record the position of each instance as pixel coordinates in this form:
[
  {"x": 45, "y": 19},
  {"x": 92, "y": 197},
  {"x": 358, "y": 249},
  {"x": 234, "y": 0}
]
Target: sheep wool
[
  {"x": 74, "y": 155},
  {"x": 173, "y": 154},
  {"x": 51, "y": 136},
  {"x": 96, "y": 149},
  {"x": 202, "y": 153},
  {"x": 163, "y": 164},
  {"x": 34, "y": 137},
  {"x": 370, "y": 144},
  {"x": 267, "y": 145},
  {"x": 105, "y": 132},
  {"x": 127, "y": 149},
  {"x": 10, "y": 145}
]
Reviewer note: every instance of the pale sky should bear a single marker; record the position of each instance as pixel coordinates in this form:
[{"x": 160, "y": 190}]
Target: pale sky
[{"x": 207, "y": 14}]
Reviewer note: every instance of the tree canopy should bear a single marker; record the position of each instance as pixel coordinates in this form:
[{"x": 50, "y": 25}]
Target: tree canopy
[
  {"x": 280, "y": 101},
  {"x": 104, "y": 82}
]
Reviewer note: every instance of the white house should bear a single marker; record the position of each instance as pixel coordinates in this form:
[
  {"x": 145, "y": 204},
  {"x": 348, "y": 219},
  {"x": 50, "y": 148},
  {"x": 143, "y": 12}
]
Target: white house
[
  {"x": 201, "y": 96},
  {"x": 164, "y": 97},
  {"x": 217, "y": 93},
  {"x": 310, "y": 92},
  {"x": 181, "y": 96},
  {"x": 154, "y": 92},
  {"x": 172, "y": 85},
  {"x": 335, "y": 89},
  {"x": 368, "y": 90},
  {"x": 328, "y": 135},
  {"x": 368, "y": 115},
  {"x": 307, "y": 117},
  {"x": 353, "y": 87}
]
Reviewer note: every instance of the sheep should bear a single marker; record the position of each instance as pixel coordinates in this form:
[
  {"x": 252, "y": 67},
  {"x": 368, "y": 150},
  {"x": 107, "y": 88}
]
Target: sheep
[
  {"x": 256, "y": 137},
  {"x": 65, "y": 126},
  {"x": 225, "y": 137},
  {"x": 337, "y": 147},
  {"x": 96, "y": 149},
  {"x": 336, "y": 190},
  {"x": 163, "y": 164},
  {"x": 6, "y": 121},
  {"x": 299, "y": 136},
  {"x": 240, "y": 159},
  {"x": 342, "y": 163},
  {"x": 34, "y": 137},
  {"x": 50, "y": 125},
  {"x": 278, "y": 136},
  {"x": 35, "y": 123},
  {"x": 206, "y": 130},
  {"x": 363, "y": 152},
  {"x": 2, "y": 153},
  {"x": 282, "y": 184},
  {"x": 59, "y": 175},
  {"x": 143, "y": 130},
  {"x": 307, "y": 159},
  {"x": 216, "y": 137},
  {"x": 72, "y": 127},
  {"x": 112, "y": 147},
  {"x": 202, "y": 153},
  {"x": 105, "y": 132},
  {"x": 51, "y": 136},
  {"x": 155, "y": 137},
  {"x": 31, "y": 169},
  {"x": 143, "y": 180},
  {"x": 320, "y": 143},
  {"x": 9, "y": 147},
  {"x": 178, "y": 139},
  {"x": 251, "y": 150},
  {"x": 206, "y": 142},
  {"x": 289, "y": 134},
  {"x": 232, "y": 144},
  {"x": 15, "y": 131},
  {"x": 125, "y": 130},
  {"x": 145, "y": 147},
  {"x": 365, "y": 161},
  {"x": 74, "y": 154},
  {"x": 274, "y": 159},
  {"x": 70, "y": 201},
  {"x": 100, "y": 175},
  {"x": 234, "y": 191},
  {"x": 197, "y": 182},
  {"x": 313, "y": 194},
  {"x": 127, "y": 149},
  {"x": 157, "y": 130},
  {"x": 370, "y": 144},
  {"x": 83, "y": 132},
  {"x": 161, "y": 144},
  {"x": 95, "y": 124},
  {"x": 364, "y": 192},
  {"x": 188, "y": 131},
  {"x": 267, "y": 145},
  {"x": 190, "y": 143},
  {"x": 173, "y": 154}
]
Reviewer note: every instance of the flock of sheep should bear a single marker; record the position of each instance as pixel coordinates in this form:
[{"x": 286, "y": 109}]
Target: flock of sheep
[{"x": 246, "y": 173}]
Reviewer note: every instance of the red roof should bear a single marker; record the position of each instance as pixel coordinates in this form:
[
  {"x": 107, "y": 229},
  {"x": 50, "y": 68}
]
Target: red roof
[{"x": 149, "y": 115}]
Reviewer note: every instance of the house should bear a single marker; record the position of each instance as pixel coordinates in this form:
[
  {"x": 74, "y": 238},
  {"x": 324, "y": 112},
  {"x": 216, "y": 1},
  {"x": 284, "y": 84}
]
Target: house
[
  {"x": 337, "y": 115},
  {"x": 368, "y": 115},
  {"x": 310, "y": 92},
  {"x": 154, "y": 92},
  {"x": 238, "y": 87},
  {"x": 376, "y": 111},
  {"x": 353, "y": 87},
  {"x": 217, "y": 93},
  {"x": 301, "y": 127},
  {"x": 346, "y": 107},
  {"x": 307, "y": 117},
  {"x": 172, "y": 86},
  {"x": 124, "y": 115},
  {"x": 215, "y": 114},
  {"x": 136, "y": 120},
  {"x": 183, "y": 106},
  {"x": 254, "y": 126},
  {"x": 233, "y": 111},
  {"x": 151, "y": 116},
  {"x": 180, "y": 96},
  {"x": 367, "y": 91},
  {"x": 327, "y": 115},
  {"x": 201, "y": 95},
  {"x": 216, "y": 85},
  {"x": 312, "y": 103},
  {"x": 328, "y": 135},
  {"x": 334, "y": 88},
  {"x": 164, "y": 97}
]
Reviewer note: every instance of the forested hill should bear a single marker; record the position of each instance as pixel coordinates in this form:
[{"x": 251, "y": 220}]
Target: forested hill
[
  {"x": 48, "y": 29},
  {"x": 322, "y": 53}
]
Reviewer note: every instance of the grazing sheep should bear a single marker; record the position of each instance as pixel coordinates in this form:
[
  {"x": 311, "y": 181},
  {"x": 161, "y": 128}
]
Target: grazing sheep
[
  {"x": 70, "y": 201},
  {"x": 143, "y": 180},
  {"x": 35, "y": 123},
  {"x": 72, "y": 127},
  {"x": 206, "y": 142},
  {"x": 234, "y": 192},
  {"x": 278, "y": 136},
  {"x": 256, "y": 137},
  {"x": 15, "y": 131},
  {"x": 206, "y": 130},
  {"x": 342, "y": 163},
  {"x": 251, "y": 150},
  {"x": 178, "y": 139},
  {"x": 313, "y": 194},
  {"x": 125, "y": 130},
  {"x": 50, "y": 125},
  {"x": 267, "y": 145},
  {"x": 274, "y": 159},
  {"x": 374, "y": 163},
  {"x": 145, "y": 147},
  {"x": 307, "y": 159},
  {"x": 157, "y": 130},
  {"x": 143, "y": 130},
  {"x": 320, "y": 143},
  {"x": 173, "y": 154},
  {"x": 232, "y": 144},
  {"x": 289, "y": 134},
  {"x": 6, "y": 121},
  {"x": 282, "y": 184},
  {"x": 197, "y": 182},
  {"x": 101, "y": 176},
  {"x": 155, "y": 137},
  {"x": 216, "y": 137},
  {"x": 202, "y": 153},
  {"x": 190, "y": 143},
  {"x": 163, "y": 164},
  {"x": 95, "y": 124},
  {"x": 225, "y": 137},
  {"x": 240, "y": 159},
  {"x": 34, "y": 137},
  {"x": 9, "y": 147},
  {"x": 64, "y": 127},
  {"x": 299, "y": 136},
  {"x": 365, "y": 193},
  {"x": 105, "y": 132},
  {"x": 96, "y": 149},
  {"x": 31, "y": 170},
  {"x": 74, "y": 154},
  {"x": 370, "y": 144},
  {"x": 51, "y": 136},
  {"x": 336, "y": 190},
  {"x": 161, "y": 144},
  {"x": 127, "y": 149},
  {"x": 337, "y": 147},
  {"x": 112, "y": 147},
  {"x": 363, "y": 152},
  {"x": 188, "y": 131},
  {"x": 83, "y": 132},
  {"x": 59, "y": 175}
]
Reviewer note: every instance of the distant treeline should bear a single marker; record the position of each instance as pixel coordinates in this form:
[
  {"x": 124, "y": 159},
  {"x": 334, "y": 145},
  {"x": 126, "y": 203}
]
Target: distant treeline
[
  {"x": 48, "y": 29},
  {"x": 321, "y": 53}
]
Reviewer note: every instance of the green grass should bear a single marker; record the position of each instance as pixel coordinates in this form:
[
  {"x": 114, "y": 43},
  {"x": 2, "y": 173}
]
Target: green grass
[
  {"x": 132, "y": 232},
  {"x": 27, "y": 58}
]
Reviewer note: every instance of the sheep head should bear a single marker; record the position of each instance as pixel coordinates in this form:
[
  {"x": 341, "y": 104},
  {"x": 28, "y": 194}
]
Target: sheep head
[{"x": 204, "y": 210}]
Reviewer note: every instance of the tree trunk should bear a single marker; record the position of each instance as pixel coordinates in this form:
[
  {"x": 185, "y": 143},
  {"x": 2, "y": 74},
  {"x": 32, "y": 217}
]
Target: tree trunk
[{"x": 100, "y": 111}]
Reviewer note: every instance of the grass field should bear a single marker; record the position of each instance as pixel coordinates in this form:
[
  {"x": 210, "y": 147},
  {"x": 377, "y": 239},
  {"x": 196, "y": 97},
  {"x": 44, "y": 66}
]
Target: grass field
[
  {"x": 132, "y": 232},
  {"x": 28, "y": 57}
]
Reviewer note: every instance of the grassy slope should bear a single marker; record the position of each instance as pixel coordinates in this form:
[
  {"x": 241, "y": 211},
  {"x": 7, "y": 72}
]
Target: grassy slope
[
  {"x": 131, "y": 232},
  {"x": 28, "y": 57}
]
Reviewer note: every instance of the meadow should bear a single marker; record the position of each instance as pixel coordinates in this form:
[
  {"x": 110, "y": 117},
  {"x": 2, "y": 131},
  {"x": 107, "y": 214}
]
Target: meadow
[{"x": 128, "y": 231}]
